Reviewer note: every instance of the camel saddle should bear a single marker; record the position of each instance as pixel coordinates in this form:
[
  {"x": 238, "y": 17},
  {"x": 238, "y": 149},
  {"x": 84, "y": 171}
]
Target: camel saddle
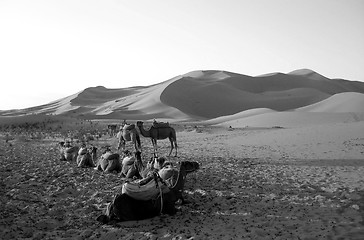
[
  {"x": 169, "y": 175},
  {"x": 110, "y": 156},
  {"x": 129, "y": 127}
]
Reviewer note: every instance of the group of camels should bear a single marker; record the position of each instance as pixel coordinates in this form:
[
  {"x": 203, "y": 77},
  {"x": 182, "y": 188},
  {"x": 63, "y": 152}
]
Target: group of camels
[
  {"x": 160, "y": 183},
  {"x": 157, "y": 131}
]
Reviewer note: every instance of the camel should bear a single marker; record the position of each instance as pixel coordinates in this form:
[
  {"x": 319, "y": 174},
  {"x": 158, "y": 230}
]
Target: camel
[
  {"x": 128, "y": 132},
  {"x": 86, "y": 157},
  {"x": 109, "y": 162},
  {"x": 131, "y": 165},
  {"x": 112, "y": 129},
  {"x": 125, "y": 208},
  {"x": 159, "y": 132},
  {"x": 68, "y": 152}
]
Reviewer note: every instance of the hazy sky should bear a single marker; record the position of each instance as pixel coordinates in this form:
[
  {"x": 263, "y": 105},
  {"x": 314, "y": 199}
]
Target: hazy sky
[{"x": 51, "y": 49}]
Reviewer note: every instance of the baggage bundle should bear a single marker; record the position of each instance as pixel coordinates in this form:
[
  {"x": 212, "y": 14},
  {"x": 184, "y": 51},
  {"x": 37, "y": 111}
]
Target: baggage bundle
[{"x": 150, "y": 190}]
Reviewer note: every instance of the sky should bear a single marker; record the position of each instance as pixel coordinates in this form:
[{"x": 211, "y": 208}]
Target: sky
[{"x": 52, "y": 49}]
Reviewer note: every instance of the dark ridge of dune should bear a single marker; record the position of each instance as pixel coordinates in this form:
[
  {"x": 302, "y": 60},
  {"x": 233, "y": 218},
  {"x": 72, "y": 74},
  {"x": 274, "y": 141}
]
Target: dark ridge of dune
[
  {"x": 282, "y": 81},
  {"x": 350, "y": 86},
  {"x": 220, "y": 98},
  {"x": 211, "y": 94}
]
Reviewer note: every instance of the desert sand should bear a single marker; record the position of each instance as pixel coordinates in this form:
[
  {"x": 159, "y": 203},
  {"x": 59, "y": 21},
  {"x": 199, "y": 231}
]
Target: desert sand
[{"x": 303, "y": 182}]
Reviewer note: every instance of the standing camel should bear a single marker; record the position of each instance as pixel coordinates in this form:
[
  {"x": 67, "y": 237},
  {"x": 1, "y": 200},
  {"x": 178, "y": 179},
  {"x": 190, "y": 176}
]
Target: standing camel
[
  {"x": 127, "y": 133},
  {"x": 159, "y": 132}
]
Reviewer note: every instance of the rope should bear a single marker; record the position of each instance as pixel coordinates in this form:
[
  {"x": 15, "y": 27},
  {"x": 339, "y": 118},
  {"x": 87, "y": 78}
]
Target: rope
[
  {"x": 179, "y": 172},
  {"x": 161, "y": 194},
  {"x": 156, "y": 178}
]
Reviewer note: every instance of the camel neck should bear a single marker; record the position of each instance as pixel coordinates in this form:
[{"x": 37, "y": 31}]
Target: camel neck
[
  {"x": 144, "y": 132},
  {"x": 180, "y": 181}
]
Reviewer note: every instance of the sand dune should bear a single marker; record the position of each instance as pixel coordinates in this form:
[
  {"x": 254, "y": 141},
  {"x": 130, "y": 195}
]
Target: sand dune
[
  {"x": 293, "y": 119},
  {"x": 340, "y": 108},
  {"x": 212, "y": 94},
  {"x": 341, "y": 102},
  {"x": 205, "y": 95},
  {"x": 144, "y": 104},
  {"x": 309, "y": 74},
  {"x": 240, "y": 115}
]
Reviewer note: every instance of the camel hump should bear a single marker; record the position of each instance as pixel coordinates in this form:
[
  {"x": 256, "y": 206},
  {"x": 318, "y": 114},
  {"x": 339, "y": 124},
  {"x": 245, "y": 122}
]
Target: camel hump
[
  {"x": 160, "y": 124},
  {"x": 113, "y": 156}
]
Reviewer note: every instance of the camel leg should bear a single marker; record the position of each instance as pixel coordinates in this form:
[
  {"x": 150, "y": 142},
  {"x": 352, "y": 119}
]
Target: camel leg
[
  {"x": 175, "y": 145},
  {"x": 155, "y": 147},
  {"x": 171, "y": 147},
  {"x": 136, "y": 143},
  {"x": 98, "y": 166}
]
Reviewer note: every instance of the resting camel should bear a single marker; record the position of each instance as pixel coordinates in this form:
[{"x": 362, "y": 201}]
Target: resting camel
[
  {"x": 127, "y": 133},
  {"x": 109, "y": 162},
  {"x": 86, "y": 157},
  {"x": 126, "y": 208},
  {"x": 68, "y": 152},
  {"x": 159, "y": 132},
  {"x": 133, "y": 167}
]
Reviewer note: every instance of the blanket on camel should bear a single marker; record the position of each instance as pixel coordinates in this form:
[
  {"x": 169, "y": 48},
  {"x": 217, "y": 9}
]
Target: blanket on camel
[{"x": 145, "y": 189}]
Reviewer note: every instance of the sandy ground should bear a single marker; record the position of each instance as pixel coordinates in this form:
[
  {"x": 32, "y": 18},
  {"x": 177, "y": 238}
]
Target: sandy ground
[{"x": 254, "y": 183}]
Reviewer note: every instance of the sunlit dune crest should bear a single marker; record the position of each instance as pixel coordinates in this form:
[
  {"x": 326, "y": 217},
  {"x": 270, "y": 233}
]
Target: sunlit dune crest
[
  {"x": 308, "y": 74},
  {"x": 240, "y": 115},
  {"x": 341, "y": 102},
  {"x": 293, "y": 119}
]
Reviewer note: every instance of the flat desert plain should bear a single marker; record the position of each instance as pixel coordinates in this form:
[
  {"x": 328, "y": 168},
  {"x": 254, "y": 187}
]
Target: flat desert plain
[{"x": 292, "y": 182}]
